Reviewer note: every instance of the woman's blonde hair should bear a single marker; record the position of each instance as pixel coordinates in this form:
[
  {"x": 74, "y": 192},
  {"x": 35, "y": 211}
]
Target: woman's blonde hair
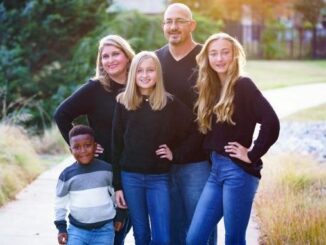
[
  {"x": 213, "y": 98},
  {"x": 131, "y": 98},
  {"x": 118, "y": 42}
]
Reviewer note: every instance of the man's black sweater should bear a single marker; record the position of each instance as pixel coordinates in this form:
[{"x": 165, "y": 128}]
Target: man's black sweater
[
  {"x": 137, "y": 134},
  {"x": 250, "y": 107},
  {"x": 180, "y": 76},
  {"x": 98, "y": 105},
  {"x": 179, "y": 79}
]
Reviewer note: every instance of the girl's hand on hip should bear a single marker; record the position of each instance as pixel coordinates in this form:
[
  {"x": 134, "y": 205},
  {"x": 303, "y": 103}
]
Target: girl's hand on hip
[
  {"x": 237, "y": 151},
  {"x": 164, "y": 151},
  {"x": 120, "y": 200}
]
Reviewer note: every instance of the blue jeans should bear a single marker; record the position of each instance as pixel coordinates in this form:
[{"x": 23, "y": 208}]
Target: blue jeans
[
  {"x": 101, "y": 236},
  {"x": 229, "y": 192},
  {"x": 187, "y": 184},
  {"x": 147, "y": 197}
]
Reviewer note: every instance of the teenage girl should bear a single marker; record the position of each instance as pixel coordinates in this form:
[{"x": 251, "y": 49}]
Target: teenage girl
[{"x": 229, "y": 106}]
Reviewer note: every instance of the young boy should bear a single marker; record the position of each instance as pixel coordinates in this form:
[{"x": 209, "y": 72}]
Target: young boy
[{"x": 85, "y": 187}]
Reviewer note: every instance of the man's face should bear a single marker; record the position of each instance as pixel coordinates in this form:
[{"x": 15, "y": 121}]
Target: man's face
[{"x": 177, "y": 25}]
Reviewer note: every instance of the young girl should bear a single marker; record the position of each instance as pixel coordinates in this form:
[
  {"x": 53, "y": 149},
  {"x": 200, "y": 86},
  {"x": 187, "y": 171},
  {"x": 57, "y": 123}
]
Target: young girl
[
  {"x": 229, "y": 106},
  {"x": 148, "y": 127}
]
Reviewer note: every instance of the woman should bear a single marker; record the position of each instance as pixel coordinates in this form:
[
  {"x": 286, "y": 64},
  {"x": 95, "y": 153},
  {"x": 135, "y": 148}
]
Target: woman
[
  {"x": 96, "y": 99},
  {"x": 149, "y": 128},
  {"x": 229, "y": 106}
]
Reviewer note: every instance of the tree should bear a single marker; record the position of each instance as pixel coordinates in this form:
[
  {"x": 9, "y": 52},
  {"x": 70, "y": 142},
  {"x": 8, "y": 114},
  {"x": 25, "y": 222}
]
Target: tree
[
  {"x": 37, "y": 37},
  {"x": 310, "y": 9}
]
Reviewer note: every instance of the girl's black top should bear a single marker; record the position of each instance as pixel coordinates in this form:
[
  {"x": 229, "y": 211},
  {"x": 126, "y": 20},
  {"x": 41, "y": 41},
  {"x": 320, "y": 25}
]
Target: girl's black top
[
  {"x": 98, "y": 105},
  {"x": 250, "y": 107},
  {"x": 137, "y": 134}
]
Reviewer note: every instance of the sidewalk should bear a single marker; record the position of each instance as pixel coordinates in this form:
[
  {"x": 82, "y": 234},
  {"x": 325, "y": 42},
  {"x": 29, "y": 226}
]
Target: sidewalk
[{"x": 29, "y": 219}]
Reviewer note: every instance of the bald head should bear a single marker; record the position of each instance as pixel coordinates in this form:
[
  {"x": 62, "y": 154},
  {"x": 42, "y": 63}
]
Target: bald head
[{"x": 179, "y": 7}]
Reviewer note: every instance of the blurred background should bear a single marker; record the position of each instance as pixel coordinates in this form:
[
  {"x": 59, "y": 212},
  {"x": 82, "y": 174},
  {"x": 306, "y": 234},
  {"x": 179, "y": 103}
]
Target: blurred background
[{"x": 48, "y": 49}]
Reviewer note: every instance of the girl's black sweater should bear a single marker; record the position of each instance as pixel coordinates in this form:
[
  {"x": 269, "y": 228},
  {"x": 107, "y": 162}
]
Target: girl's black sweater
[
  {"x": 137, "y": 134},
  {"x": 98, "y": 105},
  {"x": 250, "y": 107}
]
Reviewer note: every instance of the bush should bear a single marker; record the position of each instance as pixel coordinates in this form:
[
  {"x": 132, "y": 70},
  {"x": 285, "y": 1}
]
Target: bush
[
  {"x": 272, "y": 47},
  {"x": 18, "y": 161},
  {"x": 50, "y": 142},
  {"x": 291, "y": 201}
]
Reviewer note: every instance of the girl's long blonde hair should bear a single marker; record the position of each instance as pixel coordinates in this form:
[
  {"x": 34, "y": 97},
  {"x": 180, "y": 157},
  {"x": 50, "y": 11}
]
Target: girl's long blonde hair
[
  {"x": 118, "y": 42},
  {"x": 131, "y": 98},
  {"x": 213, "y": 98}
]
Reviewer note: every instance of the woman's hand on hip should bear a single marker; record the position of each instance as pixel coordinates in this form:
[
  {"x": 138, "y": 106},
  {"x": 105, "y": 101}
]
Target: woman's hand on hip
[
  {"x": 237, "y": 151},
  {"x": 99, "y": 150}
]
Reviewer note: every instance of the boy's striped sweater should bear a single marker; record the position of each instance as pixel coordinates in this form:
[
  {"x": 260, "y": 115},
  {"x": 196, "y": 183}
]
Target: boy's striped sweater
[{"x": 87, "y": 191}]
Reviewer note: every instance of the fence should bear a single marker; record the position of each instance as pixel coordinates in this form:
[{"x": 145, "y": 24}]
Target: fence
[{"x": 262, "y": 41}]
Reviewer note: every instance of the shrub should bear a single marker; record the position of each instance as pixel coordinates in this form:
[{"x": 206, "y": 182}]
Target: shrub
[
  {"x": 291, "y": 201},
  {"x": 18, "y": 161}
]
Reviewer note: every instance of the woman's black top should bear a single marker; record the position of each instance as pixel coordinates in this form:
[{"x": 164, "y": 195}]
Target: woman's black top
[{"x": 98, "y": 105}]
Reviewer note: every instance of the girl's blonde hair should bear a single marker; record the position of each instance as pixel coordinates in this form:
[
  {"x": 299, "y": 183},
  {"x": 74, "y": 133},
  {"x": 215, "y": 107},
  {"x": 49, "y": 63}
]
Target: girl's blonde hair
[
  {"x": 131, "y": 98},
  {"x": 213, "y": 98},
  {"x": 118, "y": 42}
]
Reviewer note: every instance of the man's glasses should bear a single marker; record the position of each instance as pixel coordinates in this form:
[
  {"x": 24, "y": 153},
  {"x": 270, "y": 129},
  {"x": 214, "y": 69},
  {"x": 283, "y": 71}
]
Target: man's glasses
[{"x": 177, "y": 22}]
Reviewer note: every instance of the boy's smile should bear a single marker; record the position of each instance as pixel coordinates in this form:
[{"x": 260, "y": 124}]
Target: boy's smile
[{"x": 83, "y": 148}]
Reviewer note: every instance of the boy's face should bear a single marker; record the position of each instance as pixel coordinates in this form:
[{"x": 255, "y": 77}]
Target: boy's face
[{"x": 83, "y": 148}]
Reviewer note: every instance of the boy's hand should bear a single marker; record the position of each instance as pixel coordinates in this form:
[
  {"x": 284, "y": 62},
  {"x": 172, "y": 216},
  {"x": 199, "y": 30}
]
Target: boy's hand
[
  {"x": 118, "y": 226},
  {"x": 62, "y": 238},
  {"x": 164, "y": 151},
  {"x": 120, "y": 200}
]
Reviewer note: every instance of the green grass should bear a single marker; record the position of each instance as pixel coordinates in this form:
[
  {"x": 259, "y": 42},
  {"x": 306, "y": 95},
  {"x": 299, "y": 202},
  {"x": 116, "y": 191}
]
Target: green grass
[
  {"x": 291, "y": 201},
  {"x": 317, "y": 113},
  {"x": 276, "y": 74}
]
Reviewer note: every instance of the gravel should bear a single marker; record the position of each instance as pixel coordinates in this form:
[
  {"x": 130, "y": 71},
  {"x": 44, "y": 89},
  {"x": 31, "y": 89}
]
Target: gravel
[{"x": 306, "y": 138}]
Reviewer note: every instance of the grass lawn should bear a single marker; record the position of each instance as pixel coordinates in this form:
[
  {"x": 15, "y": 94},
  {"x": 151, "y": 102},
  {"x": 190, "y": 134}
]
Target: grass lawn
[
  {"x": 311, "y": 114},
  {"x": 269, "y": 74}
]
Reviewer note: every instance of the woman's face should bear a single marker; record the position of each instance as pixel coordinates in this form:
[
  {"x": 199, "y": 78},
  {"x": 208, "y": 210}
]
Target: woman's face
[
  {"x": 220, "y": 56},
  {"x": 146, "y": 76},
  {"x": 114, "y": 61}
]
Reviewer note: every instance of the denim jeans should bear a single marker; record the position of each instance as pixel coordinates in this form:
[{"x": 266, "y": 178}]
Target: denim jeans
[
  {"x": 187, "y": 183},
  {"x": 229, "y": 192},
  {"x": 148, "y": 200},
  {"x": 101, "y": 236}
]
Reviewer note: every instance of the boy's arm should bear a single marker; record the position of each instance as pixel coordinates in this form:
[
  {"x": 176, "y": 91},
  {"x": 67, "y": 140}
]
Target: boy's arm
[{"x": 60, "y": 206}]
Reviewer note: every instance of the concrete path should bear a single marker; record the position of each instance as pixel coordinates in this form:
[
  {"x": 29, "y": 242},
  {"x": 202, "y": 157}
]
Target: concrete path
[{"x": 29, "y": 219}]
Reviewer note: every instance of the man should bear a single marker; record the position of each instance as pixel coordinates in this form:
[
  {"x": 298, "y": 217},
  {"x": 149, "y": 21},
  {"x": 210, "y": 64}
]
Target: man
[{"x": 178, "y": 60}]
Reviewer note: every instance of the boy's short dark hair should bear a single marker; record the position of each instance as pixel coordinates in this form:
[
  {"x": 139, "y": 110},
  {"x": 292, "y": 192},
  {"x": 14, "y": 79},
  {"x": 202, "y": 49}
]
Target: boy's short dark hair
[{"x": 79, "y": 130}]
